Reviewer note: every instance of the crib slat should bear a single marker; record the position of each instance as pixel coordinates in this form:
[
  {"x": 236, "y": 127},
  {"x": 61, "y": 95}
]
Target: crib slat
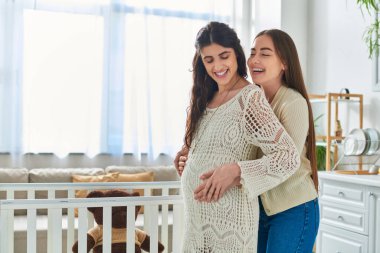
[
  {"x": 6, "y": 231},
  {"x": 31, "y": 240},
  {"x": 154, "y": 229},
  {"x": 164, "y": 221},
  {"x": 10, "y": 195},
  {"x": 177, "y": 227},
  {"x": 10, "y": 221},
  {"x": 131, "y": 228},
  {"x": 165, "y": 225},
  {"x": 107, "y": 233},
  {"x": 50, "y": 246},
  {"x": 70, "y": 223},
  {"x": 31, "y": 194},
  {"x": 55, "y": 239},
  {"x": 147, "y": 192},
  {"x": 82, "y": 229}
]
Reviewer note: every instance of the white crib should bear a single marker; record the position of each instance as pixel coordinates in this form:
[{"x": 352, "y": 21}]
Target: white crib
[{"x": 161, "y": 214}]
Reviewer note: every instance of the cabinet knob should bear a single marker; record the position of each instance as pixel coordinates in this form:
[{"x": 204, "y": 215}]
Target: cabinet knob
[
  {"x": 340, "y": 193},
  {"x": 340, "y": 218},
  {"x": 371, "y": 194}
]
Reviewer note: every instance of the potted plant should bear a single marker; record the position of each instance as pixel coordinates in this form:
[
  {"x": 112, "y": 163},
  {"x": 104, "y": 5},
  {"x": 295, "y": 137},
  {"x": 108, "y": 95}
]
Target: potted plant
[
  {"x": 320, "y": 149},
  {"x": 321, "y": 157}
]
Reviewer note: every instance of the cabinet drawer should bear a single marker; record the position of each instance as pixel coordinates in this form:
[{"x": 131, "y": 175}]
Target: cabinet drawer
[
  {"x": 333, "y": 240},
  {"x": 348, "y": 194},
  {"x": 352, "y": 219}
]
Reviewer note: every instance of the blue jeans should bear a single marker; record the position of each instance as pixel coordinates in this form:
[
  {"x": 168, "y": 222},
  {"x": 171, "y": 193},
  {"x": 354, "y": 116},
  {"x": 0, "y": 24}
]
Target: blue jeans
[{"x": 291, "y": 231}]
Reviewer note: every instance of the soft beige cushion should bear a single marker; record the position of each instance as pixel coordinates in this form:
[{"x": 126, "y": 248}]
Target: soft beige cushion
[
  {"x": 161, "y": 173},
  {"x": 110, "y": 177},
  {"x": 138, "y": 177},
  {"x": 14, "y": 175}
]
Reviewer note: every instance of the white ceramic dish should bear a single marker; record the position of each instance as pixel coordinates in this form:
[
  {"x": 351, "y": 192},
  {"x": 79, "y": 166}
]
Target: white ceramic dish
[
  {"x": 374, "y": 141},
  {"x": 355, "y": 142},
  {"x": 350, "y": 145}
]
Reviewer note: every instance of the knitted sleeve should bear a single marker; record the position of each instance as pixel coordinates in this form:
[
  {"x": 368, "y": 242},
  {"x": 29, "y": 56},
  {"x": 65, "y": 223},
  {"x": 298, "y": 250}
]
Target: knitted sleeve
[
  {"x": 295, "y": 119},
  {"x": 262, "y": 128}
]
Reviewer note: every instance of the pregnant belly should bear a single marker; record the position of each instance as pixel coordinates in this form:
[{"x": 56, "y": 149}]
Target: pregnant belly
[{"x": 189, "y": 180}]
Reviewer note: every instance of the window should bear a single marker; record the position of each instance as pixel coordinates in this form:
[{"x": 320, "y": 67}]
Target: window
[
  {"x": 62, "y": 81},
  {"x": 102, "y": 76}
]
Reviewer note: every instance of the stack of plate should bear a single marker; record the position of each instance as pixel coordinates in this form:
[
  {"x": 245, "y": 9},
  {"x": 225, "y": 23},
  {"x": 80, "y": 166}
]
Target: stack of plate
[{"x": 362, "y": 142}]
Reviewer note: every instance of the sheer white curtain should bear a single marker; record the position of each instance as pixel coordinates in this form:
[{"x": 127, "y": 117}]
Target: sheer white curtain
[
  {"x": 51, "y": 71},
  {"x": 10, "y": 77},
  {"x": 158, "y": 56},
  {"x": 99, "y": 76},
  {"x": 62, "y": 82}
]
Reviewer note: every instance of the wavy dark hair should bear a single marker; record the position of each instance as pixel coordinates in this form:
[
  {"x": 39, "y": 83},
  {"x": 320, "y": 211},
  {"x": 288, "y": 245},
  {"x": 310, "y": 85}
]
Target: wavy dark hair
[
  {"x": 292, "y": 78},
  {"x": 204, "y": 87}
]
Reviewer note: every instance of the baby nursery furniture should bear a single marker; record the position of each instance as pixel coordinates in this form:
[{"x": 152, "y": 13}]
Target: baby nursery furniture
[{"x": 162, "y": 218}]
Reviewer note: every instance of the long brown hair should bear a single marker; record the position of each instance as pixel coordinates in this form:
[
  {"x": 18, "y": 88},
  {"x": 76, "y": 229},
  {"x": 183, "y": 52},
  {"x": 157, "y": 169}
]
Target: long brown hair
[
  {"x": 293, "y": 79},
  {"x": 204, "y": 87}
]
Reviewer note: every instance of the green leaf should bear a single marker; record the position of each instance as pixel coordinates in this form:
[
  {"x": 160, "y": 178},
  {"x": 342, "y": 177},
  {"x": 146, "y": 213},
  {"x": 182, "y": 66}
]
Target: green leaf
[
  {"x": 316, "y": 120},
  {"x": 371, "y": 35}
]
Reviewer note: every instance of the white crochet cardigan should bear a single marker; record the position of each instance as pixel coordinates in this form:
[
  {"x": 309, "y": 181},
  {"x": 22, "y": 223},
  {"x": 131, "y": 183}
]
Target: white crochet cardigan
[{"x": 231, "y": 134}]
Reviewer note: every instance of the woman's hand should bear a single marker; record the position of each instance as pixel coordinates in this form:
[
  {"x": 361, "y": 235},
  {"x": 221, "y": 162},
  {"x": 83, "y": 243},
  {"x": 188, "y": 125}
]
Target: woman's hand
[
  {"x": 217, "y": 181},
  {"x": 180, "y": 160}
]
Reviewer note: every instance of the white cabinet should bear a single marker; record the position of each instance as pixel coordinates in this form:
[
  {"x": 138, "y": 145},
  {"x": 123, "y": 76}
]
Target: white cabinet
[
  {"x": 335, "y": 240},
  {"x": 350, "y": 213},
  {"x": 374, "y": 221}
]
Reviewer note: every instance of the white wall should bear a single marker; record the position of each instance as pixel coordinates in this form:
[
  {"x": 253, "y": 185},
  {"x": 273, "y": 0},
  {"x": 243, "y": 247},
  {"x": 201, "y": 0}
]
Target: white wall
[
  {"x": 267, "y": 14},
  {"x": 290, "y": 16},
  {"x": 328, "y": 35},
  {"x": 338, "y": 57},
  {"x": 294, "y": 21}
]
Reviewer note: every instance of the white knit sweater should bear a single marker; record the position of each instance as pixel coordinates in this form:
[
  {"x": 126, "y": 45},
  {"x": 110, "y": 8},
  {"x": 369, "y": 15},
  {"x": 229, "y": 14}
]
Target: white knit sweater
[{"x": 230, "y": 134}]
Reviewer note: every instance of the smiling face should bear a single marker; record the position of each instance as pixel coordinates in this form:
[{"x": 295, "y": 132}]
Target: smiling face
[
  {"x": 220, "y": 63},
  {"x": 264, "y": 64}
]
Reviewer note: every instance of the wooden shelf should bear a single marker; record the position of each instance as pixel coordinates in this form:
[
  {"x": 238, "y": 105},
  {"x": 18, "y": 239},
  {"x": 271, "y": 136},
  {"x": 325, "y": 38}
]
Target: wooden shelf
[{"x": 331, "y": 140}]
